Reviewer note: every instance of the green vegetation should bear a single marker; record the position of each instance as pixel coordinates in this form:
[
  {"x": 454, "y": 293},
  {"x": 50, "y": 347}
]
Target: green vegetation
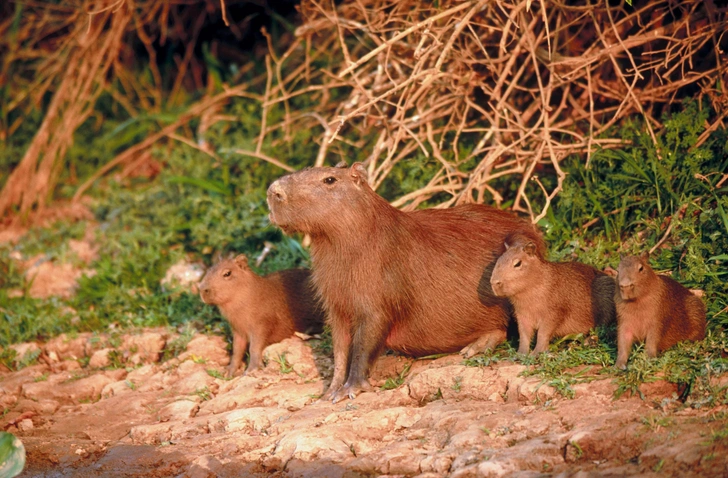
[
  {"x": 393, "y": 382},
  {"x": 628, "y": 200}
]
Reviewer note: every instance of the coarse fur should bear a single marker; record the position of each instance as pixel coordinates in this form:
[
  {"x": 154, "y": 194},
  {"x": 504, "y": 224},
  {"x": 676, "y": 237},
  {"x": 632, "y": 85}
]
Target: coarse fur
[
  {"x": 416, "y": 282},
  {"x": 653, "y": 308},
  {"x": 261, "y": 310},
  {"x": 553, "y": 298}
]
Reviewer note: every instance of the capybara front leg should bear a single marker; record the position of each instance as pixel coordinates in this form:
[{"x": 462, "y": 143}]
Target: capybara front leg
[
  {"x": 367, "y": 342},
  {"x": 341, "y": 338},
  {"x": 651, "y": 344},
  {"x": 257, "y": 344},
  {"x": 484, "y": 343},
  {"x": 240, "y": 343},
  {"x": 624, "y": 346},
  {"x": 525, "y": 335},
  {"x": 543, "y": 337}
]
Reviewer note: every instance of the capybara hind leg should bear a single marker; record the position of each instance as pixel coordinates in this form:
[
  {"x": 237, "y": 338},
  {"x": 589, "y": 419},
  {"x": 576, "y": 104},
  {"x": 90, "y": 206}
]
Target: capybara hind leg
[
  {"x": 341, "y": 337},
  {"x": 484, "y": 343},
  {"x": 367, "y": 342},
  {"x": 240, "y": 343},
  {"x": 624, "y": 347}
]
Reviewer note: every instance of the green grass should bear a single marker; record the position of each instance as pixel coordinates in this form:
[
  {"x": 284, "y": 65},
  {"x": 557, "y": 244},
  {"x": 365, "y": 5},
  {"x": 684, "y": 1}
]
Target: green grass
[
  {"x": 197, "y": 207},
  {"x": 393, "y": 382}
]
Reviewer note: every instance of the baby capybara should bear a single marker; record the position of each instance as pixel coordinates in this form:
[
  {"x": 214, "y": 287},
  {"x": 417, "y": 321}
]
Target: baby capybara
[
  {"x": 553, "y": 298},
  {"x": 656, "y": 309},
  {"x": 416, "y": 282},
  {"x": 261, "y": 310}
]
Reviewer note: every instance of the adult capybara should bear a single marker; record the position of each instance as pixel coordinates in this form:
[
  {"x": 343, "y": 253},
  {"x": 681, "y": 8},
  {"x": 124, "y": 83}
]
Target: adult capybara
[
  {"x": 656, "y": 309},
  {"x": 553, "y": 298},
  {"x": 261, "y": 310},
  {"x": 416, "y": 282}
]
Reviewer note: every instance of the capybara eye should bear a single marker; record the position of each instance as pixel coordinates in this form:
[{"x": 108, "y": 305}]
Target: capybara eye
[
  {"x": 641, "y": 268},
  {"x": 227, "y": 273},
  {"x": 329, "y": 180},
  {"x": 517, "y": 264}
]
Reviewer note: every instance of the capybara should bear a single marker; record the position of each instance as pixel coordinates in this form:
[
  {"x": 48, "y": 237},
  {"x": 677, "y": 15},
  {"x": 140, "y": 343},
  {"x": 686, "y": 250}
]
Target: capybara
[
  {"x": 553, "y": 298},
  {"x": 653, "y": 308},
  {"x": 416, "y": 282},
  {"x": 261, "y": 310}
]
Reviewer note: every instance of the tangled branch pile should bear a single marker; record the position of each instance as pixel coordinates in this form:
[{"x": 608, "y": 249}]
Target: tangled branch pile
[
  {"x": 527, "y": 83},
  {"x": 489, "y": 91}
]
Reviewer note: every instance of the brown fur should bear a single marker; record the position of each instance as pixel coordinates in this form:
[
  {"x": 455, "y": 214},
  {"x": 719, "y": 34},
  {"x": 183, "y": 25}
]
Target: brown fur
[
  {"x": 417, "y": 282},
  {"x": 653, "y": 308},
  {"x": 553, "y": 298},
  {"x": 261, "y": 310}
]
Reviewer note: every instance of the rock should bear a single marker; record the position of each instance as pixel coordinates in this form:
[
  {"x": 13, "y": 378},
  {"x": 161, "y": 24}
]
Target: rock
[
  {"x": 40, "y": 407},
  {"x": 211, "y": 348},
  {"x": 25, "y": 351},
  {"x": 532, "y": 390},
  {"x": 309, "y": 445},
  {"x": 438, "y": 463},
  {"x": 204, "y": 467},
  {"x": 25, "y": 425},
  {"x": 151, "y": 434},
  {"x": 146, "y": 347},
  {"x": 378, "y": 423},
  {"x": 185, "y": 275},
  {"x": 251, "y": 392},
  {"x": 64, "y": 391},
  {"x": 178, "y": 410},
  {"x": 68, "y": 348},
  {"x": 52, "y": 279},
  {"x": 190, "y": 378},
  {"x": 117, "y": 388},
  {"x": 85, "y": 250},
  {"x": 100, "y": 358},
  {"x": 458, "y": 382},
  {"x": 255, "y": 419},
  {"x": 297, "y": 353}
]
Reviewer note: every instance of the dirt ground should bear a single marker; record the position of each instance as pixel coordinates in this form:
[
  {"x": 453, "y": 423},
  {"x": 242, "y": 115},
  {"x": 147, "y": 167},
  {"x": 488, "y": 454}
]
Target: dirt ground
[{"x": 112, "y": 406}]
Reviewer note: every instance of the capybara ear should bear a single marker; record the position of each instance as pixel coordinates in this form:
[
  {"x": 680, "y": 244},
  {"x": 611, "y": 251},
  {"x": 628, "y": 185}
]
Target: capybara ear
[
  {"x": 241, "y": 260},
  {"x": 530, "y": 249},
  {"x": 645, "y": 256},
  {"x": 341, "y": 164},
  {"x": 359, "y": 173}
]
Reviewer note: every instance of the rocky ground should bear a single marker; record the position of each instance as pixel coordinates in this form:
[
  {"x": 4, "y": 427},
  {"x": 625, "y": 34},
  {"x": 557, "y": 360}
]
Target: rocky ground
[{"x": 117, "y": 405}]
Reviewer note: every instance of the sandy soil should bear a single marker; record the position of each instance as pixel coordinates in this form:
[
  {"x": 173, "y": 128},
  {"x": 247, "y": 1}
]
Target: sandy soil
[{"x": 80, "y": 415}]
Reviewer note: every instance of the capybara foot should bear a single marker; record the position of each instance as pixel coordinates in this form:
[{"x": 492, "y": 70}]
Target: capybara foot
[
  {"x": 230, "y": 371},
  {"x": 621, "y": 364},
  {"x": 483, "y": 344},
  {"x": 350, "y": 390},
  {"x": 251, "y": 368}
]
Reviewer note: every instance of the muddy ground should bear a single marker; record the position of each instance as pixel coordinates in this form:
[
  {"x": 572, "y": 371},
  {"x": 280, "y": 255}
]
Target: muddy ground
[{"x": 98, "y": 405}]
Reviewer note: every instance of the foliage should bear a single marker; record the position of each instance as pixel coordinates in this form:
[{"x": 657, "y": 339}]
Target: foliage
[
  {"x": 12, "y": 455},
  {"x": 393, "y": 382},
  {"x": 199, "y": 206},
  {"x": 635, "y": 196}
]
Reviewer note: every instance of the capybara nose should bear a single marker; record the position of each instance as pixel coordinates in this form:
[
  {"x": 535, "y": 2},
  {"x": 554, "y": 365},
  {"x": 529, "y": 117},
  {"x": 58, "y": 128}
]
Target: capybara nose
[
  {"x": 624, "y": 288},
  {"x": 496, "y": 283},
  {"x": 276, "y": 192}
]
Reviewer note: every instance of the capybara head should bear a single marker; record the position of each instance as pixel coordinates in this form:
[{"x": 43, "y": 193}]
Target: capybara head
[
  {"x": 514, "y": 270},
  {"x": 304, "y": 200},
  {"x": 634, "y": 276},
  {"x": 223, "y": 281}
]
